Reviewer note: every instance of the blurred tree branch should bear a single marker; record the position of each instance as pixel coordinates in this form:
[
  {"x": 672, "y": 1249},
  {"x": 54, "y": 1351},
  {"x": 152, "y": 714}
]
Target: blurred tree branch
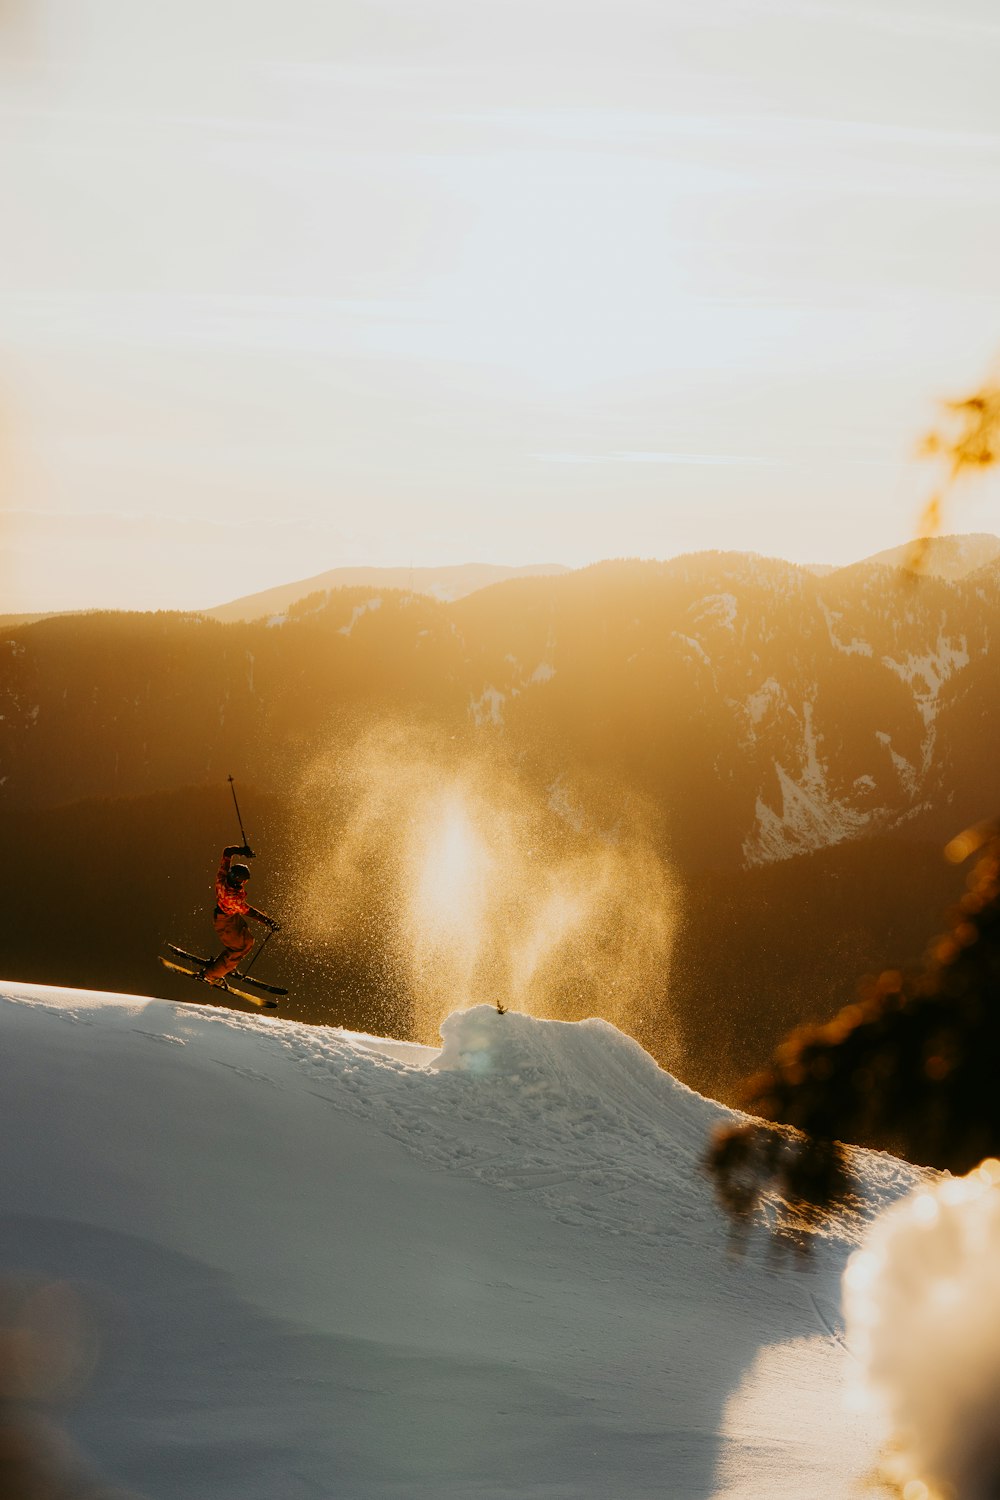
[
  {"x": 910, "y": 1068},
  {"x": 969, "y": 441}
]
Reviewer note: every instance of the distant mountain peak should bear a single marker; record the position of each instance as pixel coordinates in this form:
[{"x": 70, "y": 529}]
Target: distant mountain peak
[
  {"x": 948, "y": 557},
  {"x": 447, "y": 583}
]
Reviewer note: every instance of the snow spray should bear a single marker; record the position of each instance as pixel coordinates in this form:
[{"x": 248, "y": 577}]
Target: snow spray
[{"x": 488, "y": 888}]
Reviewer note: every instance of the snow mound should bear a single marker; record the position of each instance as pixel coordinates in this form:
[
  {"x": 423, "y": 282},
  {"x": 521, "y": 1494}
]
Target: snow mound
[
  {"x": 585, "y": 1070},
  {"x": 323, "y": 1263},
  {"x": 487, "y": 1040},
  {"x": 922, "y": 1301},
  {"x": 574, "y": 1114}
]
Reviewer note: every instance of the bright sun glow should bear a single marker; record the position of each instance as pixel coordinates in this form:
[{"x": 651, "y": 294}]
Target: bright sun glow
[
  {"x": 454, "y": 868},
  {"x": 452, "y": 885},
  {"x": 484, "y": 891}
]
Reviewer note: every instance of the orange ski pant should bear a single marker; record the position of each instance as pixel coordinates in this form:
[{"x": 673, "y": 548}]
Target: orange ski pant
[{"x": 237, "y": 940}]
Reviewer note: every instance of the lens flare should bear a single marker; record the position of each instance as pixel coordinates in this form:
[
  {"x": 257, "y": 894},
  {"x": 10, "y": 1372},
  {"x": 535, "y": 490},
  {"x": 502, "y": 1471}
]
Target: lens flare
[{"x": 969, "y": 442}]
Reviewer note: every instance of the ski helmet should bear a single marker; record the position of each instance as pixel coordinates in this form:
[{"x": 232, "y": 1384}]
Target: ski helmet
[{"x": 239, "y": 873}]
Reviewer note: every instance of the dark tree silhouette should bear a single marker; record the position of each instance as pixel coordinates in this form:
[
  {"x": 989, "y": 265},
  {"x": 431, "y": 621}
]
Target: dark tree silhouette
[{"x": 911, "y": 1068}]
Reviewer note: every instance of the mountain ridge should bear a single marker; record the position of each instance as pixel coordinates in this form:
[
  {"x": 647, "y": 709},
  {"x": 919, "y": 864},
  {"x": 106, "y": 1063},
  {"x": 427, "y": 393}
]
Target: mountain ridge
[
  {"x": 444, "y": 583},
  {"x": 951, "y": 557},
  {"x": 804, "y": 709}
]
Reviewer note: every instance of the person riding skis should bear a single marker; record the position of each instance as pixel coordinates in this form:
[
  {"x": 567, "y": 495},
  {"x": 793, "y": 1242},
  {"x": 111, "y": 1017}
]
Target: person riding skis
[{"x": 230, "y": 916}]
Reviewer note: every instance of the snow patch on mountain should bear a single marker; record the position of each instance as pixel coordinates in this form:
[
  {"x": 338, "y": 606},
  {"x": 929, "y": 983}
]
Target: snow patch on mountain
[
  {"x": 768, "y": 696},
  {"x": 926, "y": 675},
  {"x": 810, "y": 816},
  {"x": 487, "y": 709},
  {"x": 356, "y": 614},
  {"x": 545, "y": 671},
  {"x": 716, "y": 609},
  {"x": 909, "y": 775},
  {"x": 695, "y": 646},
  {"x": 809, "y": 819},
  {"x": 855, "y": 647}
]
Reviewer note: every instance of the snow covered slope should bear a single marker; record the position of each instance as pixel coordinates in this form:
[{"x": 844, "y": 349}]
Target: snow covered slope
[{"x": 315, "y": 1263}]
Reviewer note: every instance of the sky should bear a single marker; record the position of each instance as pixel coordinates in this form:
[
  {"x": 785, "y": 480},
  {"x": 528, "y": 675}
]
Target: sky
[{"x": 299, "y": 285}]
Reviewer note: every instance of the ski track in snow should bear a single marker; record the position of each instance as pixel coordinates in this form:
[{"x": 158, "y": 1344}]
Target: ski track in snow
[{"x": 590, "y": 1155}]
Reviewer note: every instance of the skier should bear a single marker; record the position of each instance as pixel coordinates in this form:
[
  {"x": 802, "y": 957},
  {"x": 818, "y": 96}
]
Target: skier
[{"x": 230, "y": 916}]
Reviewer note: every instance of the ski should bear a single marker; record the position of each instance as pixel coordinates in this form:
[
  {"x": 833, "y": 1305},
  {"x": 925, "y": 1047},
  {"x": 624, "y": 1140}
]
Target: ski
[
  {"x": 266, "y": 1002},
  {"x": 196, "y": 958}
]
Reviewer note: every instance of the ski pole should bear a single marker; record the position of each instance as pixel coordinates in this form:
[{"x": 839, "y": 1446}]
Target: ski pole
[
  {"x": 260, "y": 950},
  {"x": 232, "y": 788}
]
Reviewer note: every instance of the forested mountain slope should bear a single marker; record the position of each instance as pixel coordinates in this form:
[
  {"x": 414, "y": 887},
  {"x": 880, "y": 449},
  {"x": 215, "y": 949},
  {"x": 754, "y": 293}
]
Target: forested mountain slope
[{"x": 767, "y": 711}]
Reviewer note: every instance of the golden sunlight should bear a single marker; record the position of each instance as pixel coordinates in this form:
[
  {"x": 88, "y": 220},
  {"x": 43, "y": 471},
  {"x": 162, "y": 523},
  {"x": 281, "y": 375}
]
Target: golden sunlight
[
  {"x": 481, "y": 887},
  {"x": 454, "y": 869},
  {"x": 452, "y": 879}
]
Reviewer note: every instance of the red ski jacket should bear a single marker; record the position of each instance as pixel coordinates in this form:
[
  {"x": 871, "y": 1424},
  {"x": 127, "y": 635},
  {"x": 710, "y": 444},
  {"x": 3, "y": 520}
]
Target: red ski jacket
[{"x": 231, "y": 903}]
